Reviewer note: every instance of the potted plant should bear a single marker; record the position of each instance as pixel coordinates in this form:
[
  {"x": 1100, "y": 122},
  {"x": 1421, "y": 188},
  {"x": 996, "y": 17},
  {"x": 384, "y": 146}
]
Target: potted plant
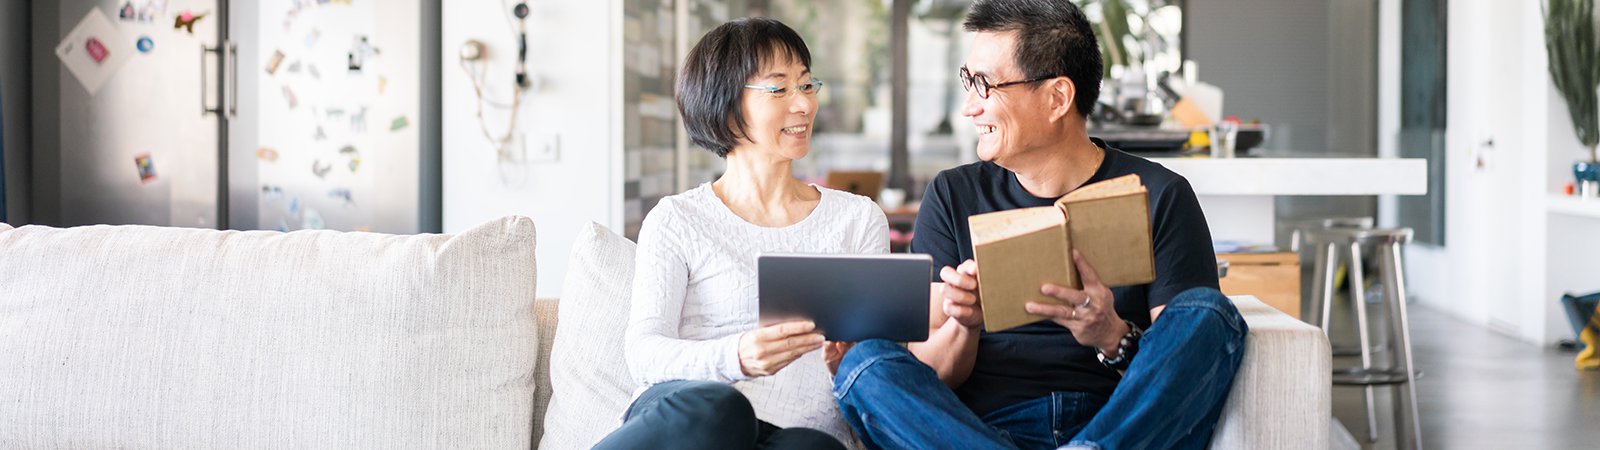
[{"x": 1574, "y": 49}]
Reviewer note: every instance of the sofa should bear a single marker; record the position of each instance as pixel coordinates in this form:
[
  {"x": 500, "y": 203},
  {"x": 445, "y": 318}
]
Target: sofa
[{"x": 155, "y": 337}]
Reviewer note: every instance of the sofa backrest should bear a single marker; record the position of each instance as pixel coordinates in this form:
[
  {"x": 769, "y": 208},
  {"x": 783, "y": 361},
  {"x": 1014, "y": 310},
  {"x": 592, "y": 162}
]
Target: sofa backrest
[{"x": 150, "y": 337}]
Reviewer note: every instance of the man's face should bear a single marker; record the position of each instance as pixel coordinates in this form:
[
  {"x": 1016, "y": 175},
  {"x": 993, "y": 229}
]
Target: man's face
[{"x": 1014, "y": 117}]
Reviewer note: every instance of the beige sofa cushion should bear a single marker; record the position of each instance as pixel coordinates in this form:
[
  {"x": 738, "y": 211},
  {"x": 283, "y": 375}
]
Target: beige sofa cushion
[
  {"x": 589, "y": 378},
  {"x": 147, "y": 337}
]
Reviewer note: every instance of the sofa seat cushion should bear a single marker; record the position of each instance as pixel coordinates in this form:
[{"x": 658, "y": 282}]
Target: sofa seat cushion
[
  {"x": 150, "y": 337},
  {"x": 590, "y": 383}
]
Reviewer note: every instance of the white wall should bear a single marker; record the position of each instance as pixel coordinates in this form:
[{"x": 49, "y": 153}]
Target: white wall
[
  {"x": 1505, "y": 260},
  {"x": 575, "y": 55}
]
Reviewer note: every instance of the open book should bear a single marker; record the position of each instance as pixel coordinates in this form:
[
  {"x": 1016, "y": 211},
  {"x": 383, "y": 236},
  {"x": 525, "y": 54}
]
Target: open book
[{"x": 1019, "y": 250}]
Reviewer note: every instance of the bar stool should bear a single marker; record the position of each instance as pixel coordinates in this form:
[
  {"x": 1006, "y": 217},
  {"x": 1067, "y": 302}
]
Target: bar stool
[
  {"x": 1298, "y": 241},
  {"x": 1330, "y": 243}
]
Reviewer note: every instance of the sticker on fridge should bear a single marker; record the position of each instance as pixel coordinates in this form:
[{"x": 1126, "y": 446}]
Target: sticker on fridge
[{"x": 94, "y": 50}]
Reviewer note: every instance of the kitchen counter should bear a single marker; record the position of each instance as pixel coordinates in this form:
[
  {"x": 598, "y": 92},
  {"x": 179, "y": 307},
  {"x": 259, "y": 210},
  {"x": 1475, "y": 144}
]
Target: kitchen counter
[{"x": 1237, "y": 193}]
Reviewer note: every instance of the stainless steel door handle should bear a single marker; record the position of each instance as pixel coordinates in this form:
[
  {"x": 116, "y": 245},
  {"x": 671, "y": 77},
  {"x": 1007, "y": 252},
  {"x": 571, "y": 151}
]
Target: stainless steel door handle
[
  {"x": 204, "y": 109},
  {"x": 233, "y": 79}
]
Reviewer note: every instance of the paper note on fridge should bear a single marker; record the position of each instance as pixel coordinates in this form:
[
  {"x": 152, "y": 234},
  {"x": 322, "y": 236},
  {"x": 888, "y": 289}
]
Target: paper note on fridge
[
  {"x": 1021, "y": 249},
  {"x": 94, "y": 50}
]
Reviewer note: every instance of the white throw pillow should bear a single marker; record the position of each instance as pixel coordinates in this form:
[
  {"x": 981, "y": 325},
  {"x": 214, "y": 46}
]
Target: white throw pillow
[
  {"x": 590, "y": 381},
  {"x": 151, "y": 337},
  {"x": 4, "y": 227}
]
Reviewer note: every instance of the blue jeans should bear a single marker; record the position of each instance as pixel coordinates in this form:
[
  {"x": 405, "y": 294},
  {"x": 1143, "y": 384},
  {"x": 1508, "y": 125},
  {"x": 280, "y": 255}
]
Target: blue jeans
[
  {"x": 701, "y": 415},
  {"x": 1170, "y": 397}
]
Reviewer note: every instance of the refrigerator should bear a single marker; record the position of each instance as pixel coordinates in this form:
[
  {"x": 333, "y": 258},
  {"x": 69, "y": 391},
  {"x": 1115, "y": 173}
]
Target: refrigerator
[{"x": 273, "y": 114}]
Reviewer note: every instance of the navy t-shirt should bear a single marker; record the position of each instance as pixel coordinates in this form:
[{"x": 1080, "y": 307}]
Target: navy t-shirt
[{"x": 1031, "y": 361}]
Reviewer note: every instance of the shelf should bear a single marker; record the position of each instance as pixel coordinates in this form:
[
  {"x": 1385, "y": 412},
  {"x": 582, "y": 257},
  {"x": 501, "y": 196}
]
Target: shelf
[{"x": 1573, "y": 206}]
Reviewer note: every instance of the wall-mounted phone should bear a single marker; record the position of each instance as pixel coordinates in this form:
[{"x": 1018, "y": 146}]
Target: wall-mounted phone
[{"x": 474, "y": 57}]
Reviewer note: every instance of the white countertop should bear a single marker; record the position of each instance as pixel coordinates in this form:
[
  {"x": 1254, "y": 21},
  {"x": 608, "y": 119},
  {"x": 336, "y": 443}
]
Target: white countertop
[{"x": 1302, "y": 176}]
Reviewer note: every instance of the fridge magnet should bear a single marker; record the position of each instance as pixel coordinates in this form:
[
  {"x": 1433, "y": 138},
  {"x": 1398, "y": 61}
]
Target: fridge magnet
[
  {"x": 312, "y": 220},
  {"x": 360, "y": 50},
  {"x": 335, "y": 112},
  {"x": 321, "y": 135},
  {"x": 398, "y": 123},
  {"x": 151, "y": 10},
  {"x": 383, "y": 83},
  {"x": 129, "y": 13},
  {"x": 312, "y": 69},
  {"x": 147, "y": 167},
  {"x": 270, "y": 193},
  {"x": 145, "y": 44},
  {"x": 343, "y": 194},
  {"x": 354, "y": 164},
  {"x": 275, "y": 61},
  {"x": 288, "y": 94},
  {"x": 185, "y": 21},
  {"x": 358, "y": 121},
  {"x": 294, "y": 67},
  {"x": 267, "y": 154},
  {"x": 93, "y": 51},
  {"x": 312, "y": 37},
  {"x": 320, "y": 169},
  {"x": 294, "y": 206}
]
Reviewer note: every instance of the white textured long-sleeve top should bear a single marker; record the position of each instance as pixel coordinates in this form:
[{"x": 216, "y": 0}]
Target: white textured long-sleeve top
[{"x": 694, "y": 293}]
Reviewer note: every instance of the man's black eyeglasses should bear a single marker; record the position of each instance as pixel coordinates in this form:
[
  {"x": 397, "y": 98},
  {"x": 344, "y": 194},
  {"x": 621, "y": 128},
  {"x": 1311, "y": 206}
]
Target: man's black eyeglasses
[{"x": 982, "y": 85}]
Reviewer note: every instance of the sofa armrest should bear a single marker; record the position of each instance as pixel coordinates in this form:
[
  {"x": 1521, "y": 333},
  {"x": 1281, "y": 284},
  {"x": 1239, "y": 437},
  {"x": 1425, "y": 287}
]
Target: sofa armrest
[{"x": 1281, "y": 396}]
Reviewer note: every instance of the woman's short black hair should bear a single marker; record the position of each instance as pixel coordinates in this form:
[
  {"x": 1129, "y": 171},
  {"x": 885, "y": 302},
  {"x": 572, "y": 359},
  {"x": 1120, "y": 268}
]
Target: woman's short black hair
[
  {"x": 717, "y": 68},
  {"x": 1053, "y": 38}
]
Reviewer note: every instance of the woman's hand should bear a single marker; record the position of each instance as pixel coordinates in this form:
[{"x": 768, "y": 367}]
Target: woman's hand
[{"x": 766, "y": 350}]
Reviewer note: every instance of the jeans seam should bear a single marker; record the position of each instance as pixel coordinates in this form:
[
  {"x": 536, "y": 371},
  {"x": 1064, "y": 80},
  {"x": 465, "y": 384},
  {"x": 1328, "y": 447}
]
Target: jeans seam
[{"x": 850, "y": 380}]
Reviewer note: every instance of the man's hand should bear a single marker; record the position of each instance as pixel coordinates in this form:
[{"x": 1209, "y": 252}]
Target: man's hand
[
  {"x": 1090, "y": 313},
  {"x": 765, "y": 351},
  {"x": 961, "y": 294},
  {"x": 833, "y": 353}
]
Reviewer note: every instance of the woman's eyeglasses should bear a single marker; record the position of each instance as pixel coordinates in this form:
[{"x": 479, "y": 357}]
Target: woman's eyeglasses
[
  {"x": 779, "y": 93},
  {"x": 981, "y": 84}
]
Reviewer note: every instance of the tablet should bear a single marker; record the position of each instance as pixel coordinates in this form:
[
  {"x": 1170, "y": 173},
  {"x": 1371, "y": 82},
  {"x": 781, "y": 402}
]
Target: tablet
[{"x": 850, "y": 297}]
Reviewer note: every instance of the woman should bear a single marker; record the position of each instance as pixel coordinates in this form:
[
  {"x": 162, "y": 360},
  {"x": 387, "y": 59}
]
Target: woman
[{"x": 713, "y": 378}]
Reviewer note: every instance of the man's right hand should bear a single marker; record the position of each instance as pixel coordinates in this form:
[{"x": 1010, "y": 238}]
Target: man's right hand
[
  {"x": 766, "y": 350},
  {"x": 961, "y": 294}
]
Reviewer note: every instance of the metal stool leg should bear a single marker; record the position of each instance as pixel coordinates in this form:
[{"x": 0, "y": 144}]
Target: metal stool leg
[
  {"x": 1358, "y": 295},
  {"x": 1405, "y": 405},
  {"x": 1327, "y": 262}
]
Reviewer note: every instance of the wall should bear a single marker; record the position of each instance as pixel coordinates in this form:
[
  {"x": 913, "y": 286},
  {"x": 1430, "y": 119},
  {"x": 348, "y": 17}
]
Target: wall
[
  {"x": 1306, "y": 67},
  {"x": 575, "y": 55},
  {"x": 14, "y": 101},
  {"x": 1506, "y": 258}
]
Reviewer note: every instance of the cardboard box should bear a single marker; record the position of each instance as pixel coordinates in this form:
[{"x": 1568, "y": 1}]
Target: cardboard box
[
  {"x": 1019, "y": 250},
  {"x": 1272, "y": 277}
]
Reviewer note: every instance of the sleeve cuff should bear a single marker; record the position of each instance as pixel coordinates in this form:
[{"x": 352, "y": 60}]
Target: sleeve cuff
[{"x": 731, "y": 369}]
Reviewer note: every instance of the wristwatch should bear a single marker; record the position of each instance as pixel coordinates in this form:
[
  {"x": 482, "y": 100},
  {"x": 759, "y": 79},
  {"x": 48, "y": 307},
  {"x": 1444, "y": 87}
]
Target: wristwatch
[{"x": 1126, "y": 348}]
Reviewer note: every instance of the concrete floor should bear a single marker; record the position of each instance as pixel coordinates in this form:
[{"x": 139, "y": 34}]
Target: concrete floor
[{"x": 1479, "y": 389}]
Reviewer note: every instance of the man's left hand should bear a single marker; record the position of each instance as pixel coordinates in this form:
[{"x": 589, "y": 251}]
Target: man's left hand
[{"x": 1090, "y": 313}]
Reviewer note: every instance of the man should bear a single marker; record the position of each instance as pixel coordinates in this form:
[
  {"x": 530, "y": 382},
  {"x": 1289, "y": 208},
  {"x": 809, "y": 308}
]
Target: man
[{"x": 1089, "y": 377}]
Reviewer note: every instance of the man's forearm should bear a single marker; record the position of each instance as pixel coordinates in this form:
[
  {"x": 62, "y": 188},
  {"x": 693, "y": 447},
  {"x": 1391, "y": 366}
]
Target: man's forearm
[{"x": 950, "y": 350}]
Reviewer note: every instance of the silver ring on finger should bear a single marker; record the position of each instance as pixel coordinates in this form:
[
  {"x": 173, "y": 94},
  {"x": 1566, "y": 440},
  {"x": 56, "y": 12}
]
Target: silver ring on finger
[{"x": 1086, "y": 300}]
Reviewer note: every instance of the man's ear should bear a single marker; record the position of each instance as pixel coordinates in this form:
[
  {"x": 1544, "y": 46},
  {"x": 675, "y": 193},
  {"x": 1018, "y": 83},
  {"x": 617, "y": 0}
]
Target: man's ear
[{"x": 1063, "y": 93}]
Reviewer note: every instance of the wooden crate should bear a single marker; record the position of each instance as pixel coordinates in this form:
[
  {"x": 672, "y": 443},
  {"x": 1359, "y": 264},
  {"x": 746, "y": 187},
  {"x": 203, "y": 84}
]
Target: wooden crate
[{"x": 1272, "y": 277}]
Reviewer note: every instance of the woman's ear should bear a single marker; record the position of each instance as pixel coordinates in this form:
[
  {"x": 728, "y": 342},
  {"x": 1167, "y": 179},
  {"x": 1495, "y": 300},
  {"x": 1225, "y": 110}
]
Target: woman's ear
[{"x": 1063, "y": 94}]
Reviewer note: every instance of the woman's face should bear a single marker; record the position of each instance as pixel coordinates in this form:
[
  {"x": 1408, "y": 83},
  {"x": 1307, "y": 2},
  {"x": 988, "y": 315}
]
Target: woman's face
[{"x": 778, "y": 123}]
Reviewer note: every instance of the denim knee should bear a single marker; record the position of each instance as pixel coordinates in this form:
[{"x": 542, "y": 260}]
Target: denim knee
[
  {"x": 863, "y": 354},
  {"x": 712, "y": 403},
  {"x": 1214, "y": 301}
]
